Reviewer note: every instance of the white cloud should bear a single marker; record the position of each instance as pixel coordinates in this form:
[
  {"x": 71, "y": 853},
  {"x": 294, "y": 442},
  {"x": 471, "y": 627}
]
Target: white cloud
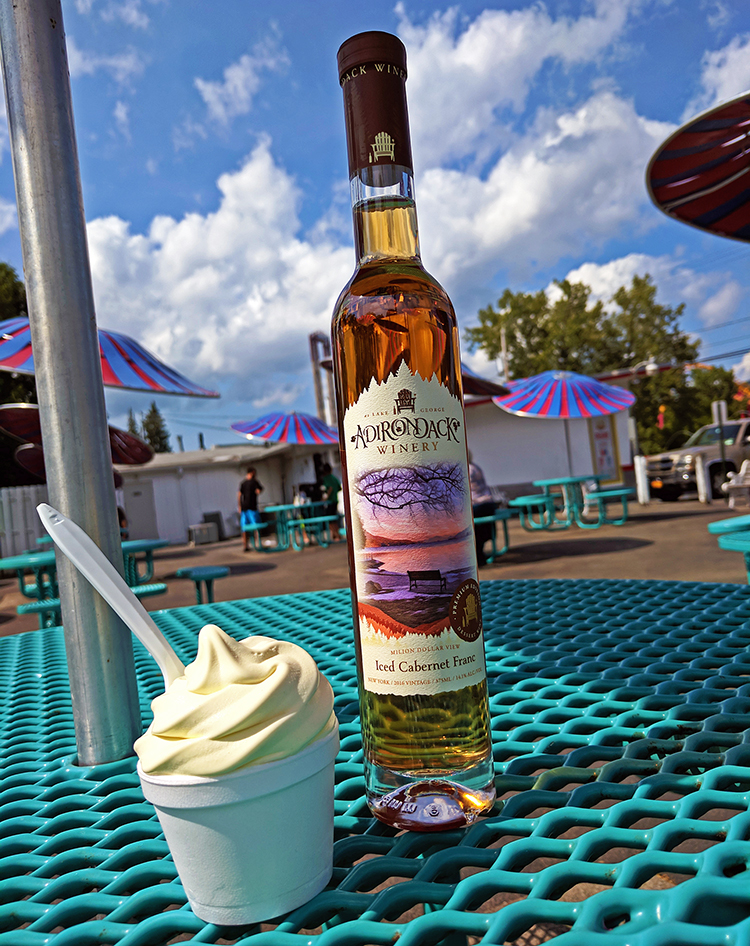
[
  {"x": 459, "y": 79},
  {"x": 722, "y": 305},
  {"x": 121, "y": 66},
  {"x": 7, "y": 215},
  {"x": 575, "y": 180},
  {"x": 725, "y": 74},
  {"x": 233, "y": 96},
  {"x": 712, "y": 296},
  {"x": 228, "y": 297},
  {"x": 129, "y": 12},
  {"x": 122, "y": 119}
]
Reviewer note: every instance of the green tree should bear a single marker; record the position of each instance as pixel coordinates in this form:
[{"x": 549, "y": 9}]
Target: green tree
[
  {"x": 155, "y": 430},
  {"x": 569, "y": 333},
  {"x": 686, "y": 397},
  {"x": 133, "y": 426}
]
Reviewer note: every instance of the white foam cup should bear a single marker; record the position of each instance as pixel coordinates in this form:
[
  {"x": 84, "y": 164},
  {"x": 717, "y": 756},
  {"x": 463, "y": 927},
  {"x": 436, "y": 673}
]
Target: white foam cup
[{"x": 252, "y": 844}]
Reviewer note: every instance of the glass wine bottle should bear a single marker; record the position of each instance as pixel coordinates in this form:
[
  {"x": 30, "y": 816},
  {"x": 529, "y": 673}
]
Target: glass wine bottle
[{"x": 417, "y": 613}]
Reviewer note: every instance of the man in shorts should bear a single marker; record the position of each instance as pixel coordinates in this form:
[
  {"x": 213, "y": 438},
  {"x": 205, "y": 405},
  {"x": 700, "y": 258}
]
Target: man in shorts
[{"x": 247, "y": 502}]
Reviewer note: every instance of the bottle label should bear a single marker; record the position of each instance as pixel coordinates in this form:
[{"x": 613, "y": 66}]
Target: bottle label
[{"x": 420, "y": 621}]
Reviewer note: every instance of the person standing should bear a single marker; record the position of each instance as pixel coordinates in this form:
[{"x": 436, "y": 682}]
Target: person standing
[
  {"x": 247, "y": 502},
  {"x": 331, "y": 487}
]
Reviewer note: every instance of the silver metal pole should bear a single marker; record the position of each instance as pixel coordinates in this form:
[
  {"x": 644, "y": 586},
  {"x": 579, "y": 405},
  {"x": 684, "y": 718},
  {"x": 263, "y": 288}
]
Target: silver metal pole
[{"x": 68, "y": 367}]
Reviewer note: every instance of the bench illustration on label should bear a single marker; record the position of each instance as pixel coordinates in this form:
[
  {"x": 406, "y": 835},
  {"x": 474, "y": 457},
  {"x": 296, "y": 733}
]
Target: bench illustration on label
[{"x": 420, "y": 619}]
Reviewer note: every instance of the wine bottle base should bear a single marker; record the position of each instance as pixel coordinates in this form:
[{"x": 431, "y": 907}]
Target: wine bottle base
[
  {"x": 423, "y": 802},
  {"x": 432, "y": 805}
]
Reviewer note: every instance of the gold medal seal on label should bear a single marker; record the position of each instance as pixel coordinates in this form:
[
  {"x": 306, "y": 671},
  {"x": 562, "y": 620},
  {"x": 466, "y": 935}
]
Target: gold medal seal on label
[{"x": 465, "y": 611}]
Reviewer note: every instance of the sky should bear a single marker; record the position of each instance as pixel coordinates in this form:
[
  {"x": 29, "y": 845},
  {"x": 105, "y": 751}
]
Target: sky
[{"x": 213, "y": 164}]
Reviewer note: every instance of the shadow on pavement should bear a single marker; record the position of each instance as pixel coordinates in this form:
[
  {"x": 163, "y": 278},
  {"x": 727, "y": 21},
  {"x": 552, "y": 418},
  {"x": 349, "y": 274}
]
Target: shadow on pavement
[
  {"x": 543, "y": 551},
  {"x": 251, "y": 568}
]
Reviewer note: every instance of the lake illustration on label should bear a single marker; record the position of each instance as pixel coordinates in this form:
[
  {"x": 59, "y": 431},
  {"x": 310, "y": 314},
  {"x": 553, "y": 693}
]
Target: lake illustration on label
[
  {"x": 417, "y": 548},
  {"x": 413, "y": 537}
]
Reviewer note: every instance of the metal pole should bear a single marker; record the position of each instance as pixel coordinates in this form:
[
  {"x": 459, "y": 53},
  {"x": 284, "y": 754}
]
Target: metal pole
[{"x": 68, "y": 367}]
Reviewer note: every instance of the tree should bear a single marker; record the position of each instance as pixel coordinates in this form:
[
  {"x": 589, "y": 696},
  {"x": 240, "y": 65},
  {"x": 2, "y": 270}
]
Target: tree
[
  {"x": 155, "y": 430},
  {"x": 568, "y": 333},
  {"x": 133, "y": 427}
]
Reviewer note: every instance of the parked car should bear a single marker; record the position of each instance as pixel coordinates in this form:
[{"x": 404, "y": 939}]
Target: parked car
[{"x": 673, "y": 473}]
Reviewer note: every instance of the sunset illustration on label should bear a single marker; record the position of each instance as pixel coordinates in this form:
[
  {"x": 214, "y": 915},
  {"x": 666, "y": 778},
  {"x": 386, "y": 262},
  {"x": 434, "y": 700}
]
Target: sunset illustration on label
[{"x": 418, "y": 602}]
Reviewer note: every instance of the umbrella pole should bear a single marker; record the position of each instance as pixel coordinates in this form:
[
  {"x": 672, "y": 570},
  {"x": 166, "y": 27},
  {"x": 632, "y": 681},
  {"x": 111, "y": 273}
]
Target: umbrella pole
[
  {"x": 567, "y": 447},
  {"x": 68, "y": 368}
]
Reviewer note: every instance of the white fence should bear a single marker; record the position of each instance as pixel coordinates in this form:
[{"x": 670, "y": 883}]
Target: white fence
[{"x": 20, "y": 526}]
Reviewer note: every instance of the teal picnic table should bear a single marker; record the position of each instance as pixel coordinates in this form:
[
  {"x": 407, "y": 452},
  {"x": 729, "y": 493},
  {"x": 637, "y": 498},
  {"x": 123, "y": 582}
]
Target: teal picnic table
[
  {"x": 43, "y": 592},
  {"x": 619, "y": 713},
  {"x": 42, "y": 566},
  {"x": 291, "y": 521},
  {"x": 140, "y": 570},
  {"x": 575, "y": 502}
]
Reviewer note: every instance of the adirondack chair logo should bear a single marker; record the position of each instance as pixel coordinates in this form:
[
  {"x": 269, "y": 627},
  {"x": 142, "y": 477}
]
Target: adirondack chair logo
[
  {"x": 465, "y": 611},
  {"x": 404, "y": 401},
  {"x": 384, "y": 147}
]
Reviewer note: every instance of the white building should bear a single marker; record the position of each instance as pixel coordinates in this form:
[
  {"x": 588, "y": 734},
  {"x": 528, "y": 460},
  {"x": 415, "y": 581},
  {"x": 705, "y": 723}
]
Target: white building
[
  {"x": 514, "y": 451},
  {"x": 174, "y": 491}
]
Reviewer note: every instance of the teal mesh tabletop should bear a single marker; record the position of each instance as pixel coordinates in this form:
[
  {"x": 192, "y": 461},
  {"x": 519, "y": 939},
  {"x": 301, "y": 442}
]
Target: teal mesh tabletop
[{"x": 623, "y": 775}]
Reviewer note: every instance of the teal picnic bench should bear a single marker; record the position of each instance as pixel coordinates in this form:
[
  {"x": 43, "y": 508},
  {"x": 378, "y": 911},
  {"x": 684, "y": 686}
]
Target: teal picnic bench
[
  {"x": 536, "y": 511},
  {"x": 601, "y": 497},
  {"x": 317, "y": 527},
  {"x": 730, "y": 525},
  {"x": 48, "y": 609},
  {"x": 206, "y": 575},
  {"x": 499, "y": 515},
  {"x": 738, "y": 542},
  {"x": 255, "y": 529}
]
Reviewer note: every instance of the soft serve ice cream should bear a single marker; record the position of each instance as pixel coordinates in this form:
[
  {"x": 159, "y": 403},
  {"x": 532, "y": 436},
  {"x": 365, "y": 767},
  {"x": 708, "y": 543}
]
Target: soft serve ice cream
[{"x": 238, "y": 704}]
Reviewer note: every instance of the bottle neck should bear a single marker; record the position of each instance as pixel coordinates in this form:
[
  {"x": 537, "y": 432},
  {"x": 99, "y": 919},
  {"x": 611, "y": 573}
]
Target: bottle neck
[{"x": 385, "y": 216}]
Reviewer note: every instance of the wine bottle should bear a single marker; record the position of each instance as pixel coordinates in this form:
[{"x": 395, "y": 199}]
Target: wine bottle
[{"x": 417, "y": 613}]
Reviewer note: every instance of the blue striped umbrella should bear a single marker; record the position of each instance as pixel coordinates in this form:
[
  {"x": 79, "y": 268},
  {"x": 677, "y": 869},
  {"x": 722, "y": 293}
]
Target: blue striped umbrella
[
  {"x": 563, "y": 394},
  {"x": 700, "y": 174},
  {"x": 288, "y": 428},
  {"x": 125, "y": 363}
]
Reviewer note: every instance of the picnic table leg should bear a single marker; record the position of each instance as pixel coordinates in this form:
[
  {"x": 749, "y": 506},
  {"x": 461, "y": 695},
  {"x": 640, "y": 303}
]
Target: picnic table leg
[
  {"x": 297, "y": 534},
  {"x": 623, "y": 518},
  {"x": 495, "y": 553},
  {"x": 746, "y": 556},
  {"x": 209, "y": 582}
]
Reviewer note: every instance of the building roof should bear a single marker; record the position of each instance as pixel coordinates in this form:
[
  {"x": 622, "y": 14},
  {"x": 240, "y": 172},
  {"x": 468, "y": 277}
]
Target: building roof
[{"x": 226, "y": 455}]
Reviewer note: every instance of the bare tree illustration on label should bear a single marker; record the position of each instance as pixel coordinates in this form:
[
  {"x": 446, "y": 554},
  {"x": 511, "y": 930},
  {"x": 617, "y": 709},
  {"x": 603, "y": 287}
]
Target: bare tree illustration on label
[{"x": 418, "y": 600}]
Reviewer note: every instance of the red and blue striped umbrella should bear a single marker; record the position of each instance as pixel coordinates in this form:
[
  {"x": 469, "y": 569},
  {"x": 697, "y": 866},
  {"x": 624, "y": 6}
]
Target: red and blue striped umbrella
[
  {"x": 289, "y": 428},
  {"x": 125, "y": 363},
  {"x": 563, "y": 394},
  {"x": 700, "y": 174}
]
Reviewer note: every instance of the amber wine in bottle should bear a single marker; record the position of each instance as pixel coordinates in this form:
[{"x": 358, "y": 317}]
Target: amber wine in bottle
[{"x": 417, "y": 614}]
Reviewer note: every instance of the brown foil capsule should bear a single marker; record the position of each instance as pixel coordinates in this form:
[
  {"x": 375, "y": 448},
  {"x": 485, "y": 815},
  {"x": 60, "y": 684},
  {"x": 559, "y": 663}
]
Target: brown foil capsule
[{"x": 372, "y": 73}]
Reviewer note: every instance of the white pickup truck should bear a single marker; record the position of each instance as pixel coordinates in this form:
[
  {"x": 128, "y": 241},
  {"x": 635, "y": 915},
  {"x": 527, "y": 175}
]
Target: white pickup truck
[{"x": 672, "y": 473}]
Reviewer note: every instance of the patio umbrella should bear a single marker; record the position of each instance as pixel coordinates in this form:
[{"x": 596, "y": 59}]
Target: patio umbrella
[
  {"x": 30, "y": 456},
  {"x": 565, "y": 395},
  {"x": 289, "y": 428},
  {"x": 22, "y": 421},
  {"x": 125, "y": 364},
  {"x": 700, "y": 176}
]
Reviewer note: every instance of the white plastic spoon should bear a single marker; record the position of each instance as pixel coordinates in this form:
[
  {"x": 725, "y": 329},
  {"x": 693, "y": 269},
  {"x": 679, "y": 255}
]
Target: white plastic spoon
[{"x": 92, "y": 563}]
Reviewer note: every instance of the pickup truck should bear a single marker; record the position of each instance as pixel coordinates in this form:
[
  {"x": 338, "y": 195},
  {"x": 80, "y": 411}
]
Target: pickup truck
[{"x": 672, "y": 473}]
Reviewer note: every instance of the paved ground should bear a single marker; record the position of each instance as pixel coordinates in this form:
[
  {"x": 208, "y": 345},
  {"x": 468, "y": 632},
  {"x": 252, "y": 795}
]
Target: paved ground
[{"x": 661, "y": 541}]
